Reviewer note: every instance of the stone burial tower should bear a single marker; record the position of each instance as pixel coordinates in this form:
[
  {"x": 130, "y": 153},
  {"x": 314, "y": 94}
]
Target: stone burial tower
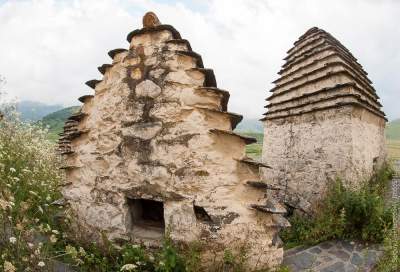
[
  {"x": 324, "y": 121},
  {"x": 152, "y": 152}
]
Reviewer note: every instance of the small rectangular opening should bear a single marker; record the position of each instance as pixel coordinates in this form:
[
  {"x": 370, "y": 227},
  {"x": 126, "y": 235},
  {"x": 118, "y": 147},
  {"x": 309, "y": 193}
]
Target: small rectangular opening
[{"x": 147, "y": 213}]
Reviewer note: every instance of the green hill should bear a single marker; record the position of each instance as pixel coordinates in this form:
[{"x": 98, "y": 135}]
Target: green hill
[
  {"x": 393, "y": 130},
  {"x": 55, "y": 121},
  {"x": 32, "y": 111}
]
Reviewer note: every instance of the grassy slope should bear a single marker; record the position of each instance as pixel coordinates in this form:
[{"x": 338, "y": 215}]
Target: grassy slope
[
  {"x": 55, "y": 121},
  {"x": 393, "y": 138}
]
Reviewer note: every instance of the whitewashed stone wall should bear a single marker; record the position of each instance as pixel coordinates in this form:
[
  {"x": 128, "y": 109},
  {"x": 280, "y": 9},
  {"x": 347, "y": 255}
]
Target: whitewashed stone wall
[{"x": 157, "y": 130}]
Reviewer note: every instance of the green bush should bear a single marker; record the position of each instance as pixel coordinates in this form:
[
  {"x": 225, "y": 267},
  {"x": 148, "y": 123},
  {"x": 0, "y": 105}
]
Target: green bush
[{"x": 346, "y": 213}]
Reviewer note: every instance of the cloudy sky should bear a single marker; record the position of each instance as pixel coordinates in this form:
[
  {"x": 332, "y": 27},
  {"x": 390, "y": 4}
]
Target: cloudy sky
[{"x": 49, "y": 48}]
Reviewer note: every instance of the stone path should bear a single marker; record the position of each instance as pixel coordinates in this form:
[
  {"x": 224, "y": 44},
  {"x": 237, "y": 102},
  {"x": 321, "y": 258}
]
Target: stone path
[{"x": 333, "y": 256}]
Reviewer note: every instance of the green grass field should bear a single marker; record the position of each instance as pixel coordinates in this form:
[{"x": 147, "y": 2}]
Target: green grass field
[
  {"x": 255, "y": 150},
  {"x": 393, "y": 148}
]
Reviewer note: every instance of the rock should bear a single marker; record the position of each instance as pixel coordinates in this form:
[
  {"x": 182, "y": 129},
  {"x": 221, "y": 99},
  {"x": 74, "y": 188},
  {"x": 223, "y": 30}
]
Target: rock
[
  {"x": 336, "y": 267},
  {"x": 145, "y": 131},
  {"x": 356, "y": 259},
  {"x": 147, "y": 88},
  {"x": 302, "y": 260}
]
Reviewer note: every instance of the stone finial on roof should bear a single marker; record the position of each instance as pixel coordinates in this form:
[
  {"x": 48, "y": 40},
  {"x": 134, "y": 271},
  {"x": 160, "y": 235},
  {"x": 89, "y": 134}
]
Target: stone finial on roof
[{"x": 150, "y": 19}]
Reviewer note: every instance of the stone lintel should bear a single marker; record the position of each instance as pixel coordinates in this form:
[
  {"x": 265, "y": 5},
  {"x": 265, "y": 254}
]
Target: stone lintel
[
  {"x": 83, "y": 98},
  {"x": 114, "y": 52},
  {"x": 148, "y": 30},
  {"x": 103, "y": 68},
  {"x": 92, "y": 83},
  {"x": 247, "y": 140}
]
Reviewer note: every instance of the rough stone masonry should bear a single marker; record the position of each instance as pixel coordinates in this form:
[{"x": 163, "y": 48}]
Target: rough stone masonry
[
  {"x": 153, "y": 152},
  {"x": 324, "y": 121}
]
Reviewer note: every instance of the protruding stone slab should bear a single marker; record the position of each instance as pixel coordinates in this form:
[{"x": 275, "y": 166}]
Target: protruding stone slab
[
  {"x": 103, "y": 68},
  {"x": 92, "y": 83},
  {"x": 114, "y": 52},
  {"x": 83, "y": 98}
]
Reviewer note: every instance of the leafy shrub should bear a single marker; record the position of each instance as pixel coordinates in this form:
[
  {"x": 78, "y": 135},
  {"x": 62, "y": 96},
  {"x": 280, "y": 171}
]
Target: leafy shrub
[{"x": 346, "y": 213}]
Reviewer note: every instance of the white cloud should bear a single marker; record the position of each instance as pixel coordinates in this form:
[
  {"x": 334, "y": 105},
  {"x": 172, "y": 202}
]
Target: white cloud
[{"x": 50, "y": 48}]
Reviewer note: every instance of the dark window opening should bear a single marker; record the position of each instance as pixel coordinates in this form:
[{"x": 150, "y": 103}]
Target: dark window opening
[
  {"x": 375, "y": 164},
  {"x": 201, "y": 214},
  {"x": 146, "y": 213}
]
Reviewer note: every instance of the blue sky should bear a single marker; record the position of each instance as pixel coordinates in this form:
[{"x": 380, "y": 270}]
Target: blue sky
[{"x": 51, "y": 47}]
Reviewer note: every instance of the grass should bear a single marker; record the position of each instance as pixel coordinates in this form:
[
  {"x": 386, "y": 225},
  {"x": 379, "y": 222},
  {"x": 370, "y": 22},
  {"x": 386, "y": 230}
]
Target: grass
[
  {"x": 393, "y": 148},
  {"x": 254, "y": 150}
]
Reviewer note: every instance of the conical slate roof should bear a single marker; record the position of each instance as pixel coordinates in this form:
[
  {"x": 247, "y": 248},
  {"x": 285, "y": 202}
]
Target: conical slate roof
[{"x": 320, "y": 73}]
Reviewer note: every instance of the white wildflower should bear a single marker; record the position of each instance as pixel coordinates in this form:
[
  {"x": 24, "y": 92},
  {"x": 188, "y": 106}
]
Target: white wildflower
[
  {"x": 41, "y": 264},
  {"x": 82, "y": 251},
  {"x": 9, "y": 267},
  {"x": 13, "y": 240},
  {"x": 12, "y": 170},
  {"x": 33, "y": 193},
  {"x": 128, "y": 267},
  {"x": 53, "y": 238},
  {"x": 55, "y": 231}
]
